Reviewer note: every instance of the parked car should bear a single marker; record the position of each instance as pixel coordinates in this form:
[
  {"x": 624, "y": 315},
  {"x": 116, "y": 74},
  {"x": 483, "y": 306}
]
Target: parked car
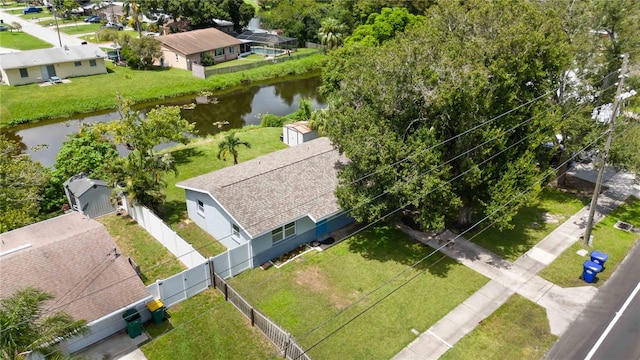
[
  {"x": 32, "y": 9},
  {"x": 94, "y": 19},
  {"x": 4, "y": 28},
  {"x": 112, "y": 26}
]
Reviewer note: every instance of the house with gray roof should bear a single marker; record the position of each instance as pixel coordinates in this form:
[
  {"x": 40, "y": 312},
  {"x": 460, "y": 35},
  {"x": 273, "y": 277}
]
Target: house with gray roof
[
  {"x": 36, "y": 66},
  {"x": 273, "y": 203},
  {"x": 75, "y": 259},
  {"x": 181, "y": 50}
]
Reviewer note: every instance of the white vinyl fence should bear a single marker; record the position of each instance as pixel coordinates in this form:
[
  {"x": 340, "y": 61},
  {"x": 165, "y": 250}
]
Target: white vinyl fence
[
  {"x": 233, "y": 261},
  {"x": 182, "y": 286},
  {"x": 165, "y": 235}
]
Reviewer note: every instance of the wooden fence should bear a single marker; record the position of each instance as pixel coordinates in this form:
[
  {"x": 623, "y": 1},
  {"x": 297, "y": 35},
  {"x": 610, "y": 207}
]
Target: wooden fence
[
  {"x": 252, "y": 65},
  {"x": 277, "y": 335}
]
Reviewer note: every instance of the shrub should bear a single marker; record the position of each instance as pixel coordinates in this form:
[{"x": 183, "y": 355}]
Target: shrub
[{"x": 270, "y": 120}]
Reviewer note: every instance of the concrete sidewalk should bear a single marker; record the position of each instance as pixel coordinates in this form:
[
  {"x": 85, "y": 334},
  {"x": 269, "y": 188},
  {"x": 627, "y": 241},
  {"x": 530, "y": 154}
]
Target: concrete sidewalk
[{"x": 562, "y": 305}]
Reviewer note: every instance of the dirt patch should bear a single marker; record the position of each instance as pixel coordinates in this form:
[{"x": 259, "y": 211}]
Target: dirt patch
[
  {"x": 316, "y": 281},
  {"x": 184, "y": 223},
  {"x": 551, "y": 218}
]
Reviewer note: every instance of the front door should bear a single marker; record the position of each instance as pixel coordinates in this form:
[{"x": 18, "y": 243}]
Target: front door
[{"x": 51, "y": 70}]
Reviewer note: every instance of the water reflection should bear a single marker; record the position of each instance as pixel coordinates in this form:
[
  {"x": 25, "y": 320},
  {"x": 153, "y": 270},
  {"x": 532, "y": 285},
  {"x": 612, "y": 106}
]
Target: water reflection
[{"x": 239, "y": 108}]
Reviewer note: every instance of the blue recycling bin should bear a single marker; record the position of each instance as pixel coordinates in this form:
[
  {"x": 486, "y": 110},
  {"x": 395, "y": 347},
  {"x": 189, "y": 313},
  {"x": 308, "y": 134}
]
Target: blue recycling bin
[
  {"x": 590, "y": 269},
  {"x": 599, "y": 258}
]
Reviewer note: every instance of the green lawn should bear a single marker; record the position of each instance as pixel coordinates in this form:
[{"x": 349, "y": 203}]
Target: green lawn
[
  {"x": 20, "y": 41},
  {"x": 531, "y": 224},
  {"x": 517, "y": 330},
  {"x": 566, "y": 269},
  {"x": 82, "y": 28},
  {"x": 98, "y": 92},
  {"x": 206, "y": 327},
  {"x": 155, "y": 261},
  {"x": 254, "y": 58},
  {"x": 318, "y": 286}
]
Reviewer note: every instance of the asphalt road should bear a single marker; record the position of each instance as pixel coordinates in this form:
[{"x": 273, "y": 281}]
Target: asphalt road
[
  {"x": 586, "y": 336},
  {"x": 49, "y": 35}
]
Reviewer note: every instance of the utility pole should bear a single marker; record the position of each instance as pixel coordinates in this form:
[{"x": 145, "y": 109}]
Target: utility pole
[
  {"x": 607, "y": 146},
  {"x": 55, "y": 17}
]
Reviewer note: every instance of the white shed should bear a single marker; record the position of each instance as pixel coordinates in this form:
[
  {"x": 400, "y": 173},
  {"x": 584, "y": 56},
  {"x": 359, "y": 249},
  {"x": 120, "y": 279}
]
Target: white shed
[
  {"x": 90, "y": 197},
  {"x": 298, "y": 133}
]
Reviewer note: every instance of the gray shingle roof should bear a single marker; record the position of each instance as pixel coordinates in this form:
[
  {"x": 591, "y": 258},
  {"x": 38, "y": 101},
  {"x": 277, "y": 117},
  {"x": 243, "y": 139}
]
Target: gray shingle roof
[
  {"x": 23, "y": 59},
  {"x": 197, "y": 41},
  {"x": 274, "y": 189},
  {"x": 72, "y": 258},
  {"x": 79, "y": 184}
]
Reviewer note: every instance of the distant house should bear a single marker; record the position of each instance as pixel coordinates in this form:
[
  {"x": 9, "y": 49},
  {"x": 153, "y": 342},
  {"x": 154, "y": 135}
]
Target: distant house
[
  {"x": 35, "y": 66},
  {"x": 297, "y": 133},
  {"x": 91, "y": 197},
  {"x": 183, "y": 49},
  {"x": 225, "y": 26},
  {"x": 76, "y": 260},
  {"x": 273, "y": 203}
]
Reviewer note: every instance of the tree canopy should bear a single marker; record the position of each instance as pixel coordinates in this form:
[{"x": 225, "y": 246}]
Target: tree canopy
[
  {"x": 418, "y": 118},
  {"x": 26, "y": 327},
  {"x": 22, "y": 183},
  {"x": 229, "y": 145}
]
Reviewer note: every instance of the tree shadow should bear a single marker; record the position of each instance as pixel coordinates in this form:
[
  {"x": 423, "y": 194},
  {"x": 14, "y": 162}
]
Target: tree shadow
[
  {"x": 184, "y": 156},
  {"x": 174, "y": 211},
  {"x": 386, "y": 243}
]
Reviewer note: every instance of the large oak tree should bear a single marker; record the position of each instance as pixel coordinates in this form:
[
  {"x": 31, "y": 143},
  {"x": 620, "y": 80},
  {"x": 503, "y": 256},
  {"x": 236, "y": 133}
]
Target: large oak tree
[{"x": 417, "y": 115}]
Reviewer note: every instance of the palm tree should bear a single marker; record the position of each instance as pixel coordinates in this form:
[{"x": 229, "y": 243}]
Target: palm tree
[
  {"x": 330, "y": 32},
  {"x": 228, "y": 146},
  {"x": 27, "y": 328}
]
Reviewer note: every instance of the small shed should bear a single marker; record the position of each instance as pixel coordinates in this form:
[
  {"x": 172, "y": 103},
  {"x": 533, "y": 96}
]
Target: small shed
[
  {"x": 90, "y": 197},
  {"x": 297, "y": 133}
]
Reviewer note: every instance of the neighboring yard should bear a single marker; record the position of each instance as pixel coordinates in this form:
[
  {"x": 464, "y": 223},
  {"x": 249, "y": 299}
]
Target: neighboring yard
[
  {"x": 80, "y": 28},
  {"x": 255, "y": 58},
  {"x": 98, "y": 92},
  {"x": 20, "y": 41},
  {"x": 206, "y": 327},
  {"x": 323, "y": 287},
  {"x": 531, "y": 224},
  {"x": 566, "y": 269},
  {"x": 155, "y": 261},
  {"x": 519, "y": 329}
]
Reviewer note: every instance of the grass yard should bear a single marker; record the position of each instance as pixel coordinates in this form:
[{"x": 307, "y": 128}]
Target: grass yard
[
  {"x": 325, "y": 286},
  {"x": 517, "y": 330},
  {"x": 154, "y": 260},
  {"x": 20, "y": 41},
  {"x": 566, "y": 269},
  {"x": 255, "y": 58},
  {"x": 206, "y": 327},
  {"x": 81, "y": 28},
  {"x": 531, "y": 224},
  {"x": 98, "y": 92}
]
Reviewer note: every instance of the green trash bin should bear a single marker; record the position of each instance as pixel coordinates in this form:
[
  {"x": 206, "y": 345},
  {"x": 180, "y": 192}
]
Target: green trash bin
[
  {"x": 156, "y": 307},
  {"x": 134, "y": 322}
]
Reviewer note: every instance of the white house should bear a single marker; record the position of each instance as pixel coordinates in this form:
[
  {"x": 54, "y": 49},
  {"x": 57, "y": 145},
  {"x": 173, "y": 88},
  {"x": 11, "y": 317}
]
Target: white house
[
  {"x": 91, "y": 197},
  {"x": 34, "y": 66},
  {"x": 273, "y": 203},
  {"x": 297, "y": 133}
]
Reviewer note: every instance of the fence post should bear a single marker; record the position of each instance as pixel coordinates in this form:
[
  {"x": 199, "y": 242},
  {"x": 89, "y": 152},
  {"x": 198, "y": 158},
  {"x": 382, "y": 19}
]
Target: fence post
[
  {"x": 253, "y": 322},
  {"x": 226, "y": 292},
  {"x": 286, "y": 346},
  {"x": 213, "y": 273}
]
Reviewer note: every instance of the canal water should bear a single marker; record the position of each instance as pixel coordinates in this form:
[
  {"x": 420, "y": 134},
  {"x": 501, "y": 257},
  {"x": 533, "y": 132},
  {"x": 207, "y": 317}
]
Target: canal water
[{"x": 239, "y": 108}]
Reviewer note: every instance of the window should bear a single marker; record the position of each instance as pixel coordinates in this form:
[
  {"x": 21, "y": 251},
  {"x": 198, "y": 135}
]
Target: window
[
  {"x": 283, "y": 232},
  {"x": 77, "y": 63},
  {"x": 92, "y": 63},
  {"x": 235, "y": 230},
  {"x": 200, "y": 207},
  {"x": 24, "y": 73},
  {"x": 219, "y": 52},
  {"x": 231, "y": 50}
]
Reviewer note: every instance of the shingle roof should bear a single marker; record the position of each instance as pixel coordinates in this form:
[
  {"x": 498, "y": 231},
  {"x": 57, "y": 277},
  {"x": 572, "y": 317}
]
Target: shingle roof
[
  {"x": 80, "y": 183},
  {"x": 277, "y": 188},
  {"x": 50, "y": 56},
  {"x": 73, "y": 258},
  {"x": 300, "y": 126},
  {"x": 197, "y": 41}
]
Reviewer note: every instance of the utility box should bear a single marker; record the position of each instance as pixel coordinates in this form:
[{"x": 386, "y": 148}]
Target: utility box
[
  {"x": 134, "y": 322},
  {"x": 157, "y": 309},
  {"x": 590, "y": 269}
]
